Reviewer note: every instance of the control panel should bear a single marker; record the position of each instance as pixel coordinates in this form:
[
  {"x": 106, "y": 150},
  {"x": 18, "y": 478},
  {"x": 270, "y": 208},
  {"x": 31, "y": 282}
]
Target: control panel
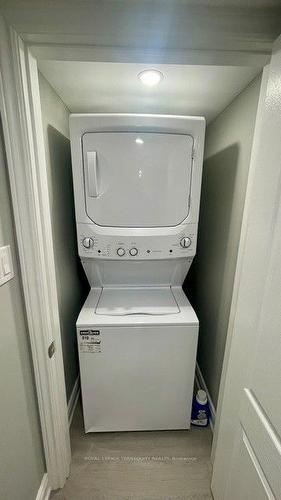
[{"x": 138, "y": 247}]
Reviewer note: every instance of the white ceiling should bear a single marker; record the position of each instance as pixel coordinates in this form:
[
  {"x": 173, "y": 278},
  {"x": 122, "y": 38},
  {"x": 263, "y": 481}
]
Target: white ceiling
[
  {"x": 237, "y": 25},
  {"x": 114, "y": 87}
]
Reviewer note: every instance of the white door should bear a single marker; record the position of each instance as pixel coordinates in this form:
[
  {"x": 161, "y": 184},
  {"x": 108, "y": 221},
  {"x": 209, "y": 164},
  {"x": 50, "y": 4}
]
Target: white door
[
  {"x": 137, "y": 179},
  {"x": 247, "y": 463}
]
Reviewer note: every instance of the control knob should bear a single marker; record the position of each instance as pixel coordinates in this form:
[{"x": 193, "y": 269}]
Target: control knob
[
  {"x": 133, "y": 252},
  {"x": 88, "y": 242},
  {"x": 185, "y": 242},
  {"x": 120, "y": 251}
]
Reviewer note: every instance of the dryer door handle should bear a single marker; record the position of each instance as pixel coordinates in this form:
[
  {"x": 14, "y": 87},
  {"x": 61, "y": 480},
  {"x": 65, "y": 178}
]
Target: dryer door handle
[{"x": 92, "y": 180}]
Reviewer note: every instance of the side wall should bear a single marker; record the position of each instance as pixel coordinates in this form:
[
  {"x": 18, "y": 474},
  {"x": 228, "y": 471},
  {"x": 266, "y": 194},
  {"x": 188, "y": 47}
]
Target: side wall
[
  {"x": 227, "y": 155},
  {"x": 71, "y": 282},
  {"x": 21, "y": 454}
]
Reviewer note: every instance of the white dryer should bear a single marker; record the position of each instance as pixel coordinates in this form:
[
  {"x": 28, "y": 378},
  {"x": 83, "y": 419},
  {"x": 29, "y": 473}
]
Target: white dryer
[{"x": 137, "y": 182}]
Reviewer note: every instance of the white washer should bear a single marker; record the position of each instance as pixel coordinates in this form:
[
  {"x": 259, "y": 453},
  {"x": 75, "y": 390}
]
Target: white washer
[
  {"x": 137, "y": 351},
  {"x": 137, "y": 181}
]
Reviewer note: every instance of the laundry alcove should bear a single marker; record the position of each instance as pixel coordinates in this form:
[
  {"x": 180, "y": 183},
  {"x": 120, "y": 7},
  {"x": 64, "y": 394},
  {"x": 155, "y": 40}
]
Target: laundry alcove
[
  {"x": 227, "y": 96},
  {"x": 215, "y": 59}
]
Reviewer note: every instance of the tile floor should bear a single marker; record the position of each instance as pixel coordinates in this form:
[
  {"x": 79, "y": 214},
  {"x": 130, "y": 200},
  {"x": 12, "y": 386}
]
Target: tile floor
[{"x": 162, "y": 465}]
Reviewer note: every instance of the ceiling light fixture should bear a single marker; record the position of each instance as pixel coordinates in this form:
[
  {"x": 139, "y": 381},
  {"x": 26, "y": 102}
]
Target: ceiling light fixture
[
  {"x": 139, "y": 140},
  {"x": 150, "y": 77}
]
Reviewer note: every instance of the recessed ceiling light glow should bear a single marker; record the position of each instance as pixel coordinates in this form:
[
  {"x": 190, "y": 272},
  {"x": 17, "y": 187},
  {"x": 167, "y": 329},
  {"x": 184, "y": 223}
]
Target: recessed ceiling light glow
[
  {"x": 139, "y": 140},
  {"x": 150, "y": 77}
]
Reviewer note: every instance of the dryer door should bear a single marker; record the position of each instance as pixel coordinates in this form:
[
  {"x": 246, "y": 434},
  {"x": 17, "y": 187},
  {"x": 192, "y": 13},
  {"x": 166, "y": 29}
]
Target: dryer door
[{"x": 137, "y": 179}]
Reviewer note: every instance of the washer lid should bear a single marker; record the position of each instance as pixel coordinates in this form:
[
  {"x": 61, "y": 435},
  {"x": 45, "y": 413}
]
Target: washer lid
[{"x": 128, "y": 301}]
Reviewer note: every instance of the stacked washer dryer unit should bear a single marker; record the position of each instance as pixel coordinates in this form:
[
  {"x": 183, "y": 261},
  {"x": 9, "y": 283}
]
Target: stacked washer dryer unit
[{"x": 137, "y": 181}]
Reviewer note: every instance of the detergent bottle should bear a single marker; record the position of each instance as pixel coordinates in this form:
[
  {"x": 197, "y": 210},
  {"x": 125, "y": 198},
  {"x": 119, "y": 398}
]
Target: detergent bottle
[{"x": 200, "y": 409}]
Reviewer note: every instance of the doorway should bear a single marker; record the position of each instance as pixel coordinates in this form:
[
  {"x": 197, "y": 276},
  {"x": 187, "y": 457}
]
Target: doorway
[
  {"x": 202, "y": 378},
  {"x": 228, "y": 99}
]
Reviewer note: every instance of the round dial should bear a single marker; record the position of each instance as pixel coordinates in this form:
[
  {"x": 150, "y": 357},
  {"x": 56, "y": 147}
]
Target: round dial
[
  {"x": 120, "y": 252},
  {"x": 88, "y": 242},
  {"x": 185, "y": 242},
  {"x": 133, "y": 252}
]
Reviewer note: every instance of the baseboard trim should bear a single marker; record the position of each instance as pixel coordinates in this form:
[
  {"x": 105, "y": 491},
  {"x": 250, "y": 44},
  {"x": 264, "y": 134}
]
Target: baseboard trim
[
  {"x": 73, "y": 400},
  {"x": 44, "y": 489},
  {"x": 200, "y": 383}
]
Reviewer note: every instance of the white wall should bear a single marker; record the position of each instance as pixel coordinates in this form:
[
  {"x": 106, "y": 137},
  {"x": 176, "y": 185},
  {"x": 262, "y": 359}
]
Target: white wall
[
  {"x": 21, "y": 453},
  {"x": 71, "y": 282},
  {"x": 225, "y": 173}
]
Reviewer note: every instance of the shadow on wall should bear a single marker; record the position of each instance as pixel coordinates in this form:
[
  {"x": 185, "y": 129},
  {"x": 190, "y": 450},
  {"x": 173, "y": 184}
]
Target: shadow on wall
[
  {"x": 209, "y": 283},
  {"x": 72, "y": 283}
]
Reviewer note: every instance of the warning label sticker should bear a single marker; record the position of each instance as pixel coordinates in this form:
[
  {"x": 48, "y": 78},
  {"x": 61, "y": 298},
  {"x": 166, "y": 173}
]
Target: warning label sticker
[{"x": 89, "y": 341}]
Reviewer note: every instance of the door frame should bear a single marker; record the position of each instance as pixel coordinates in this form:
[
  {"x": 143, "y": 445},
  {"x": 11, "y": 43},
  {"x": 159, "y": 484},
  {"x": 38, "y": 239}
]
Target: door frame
[
  {"x": 240, "y": 256},
  {"x": 252, "y": 284},
  {"x": 24, "y": 142}
]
